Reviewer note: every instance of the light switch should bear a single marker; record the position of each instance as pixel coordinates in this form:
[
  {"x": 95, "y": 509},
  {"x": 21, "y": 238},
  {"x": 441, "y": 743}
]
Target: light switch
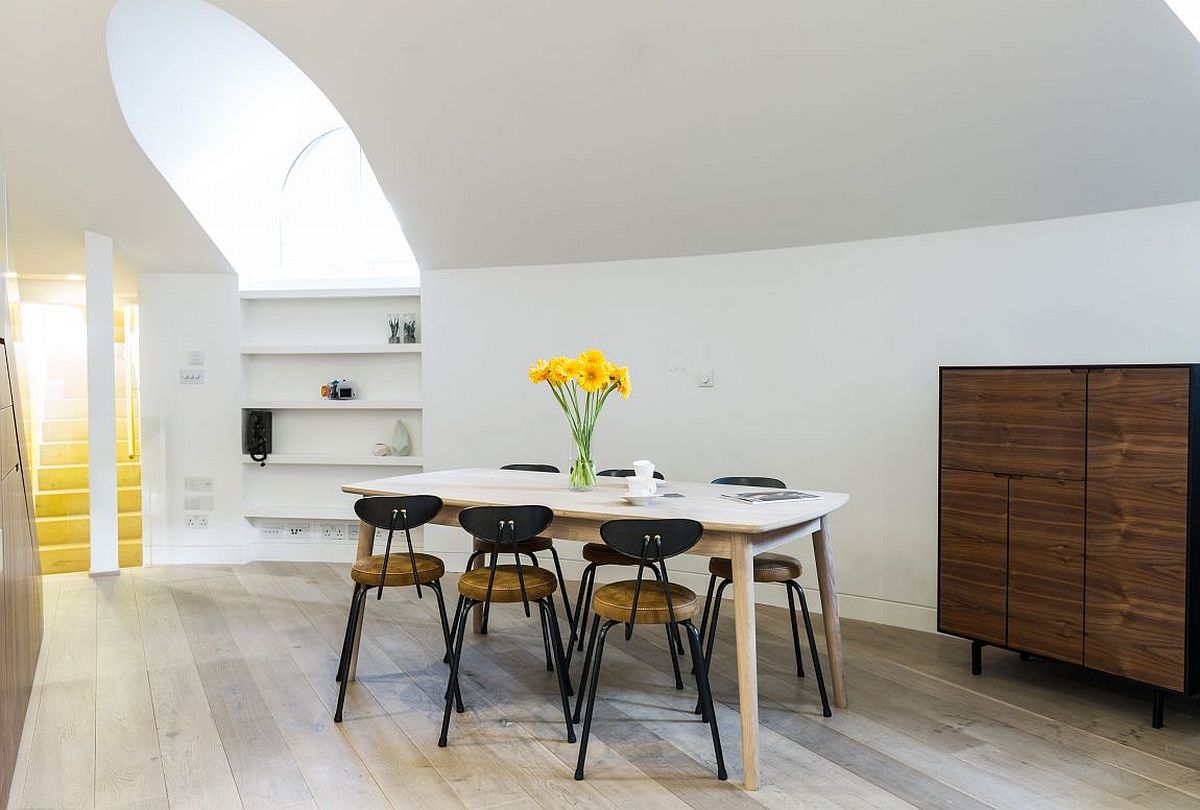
[
  {"x": 706, "y": 379},
  {"x": 191, "y": 376}
]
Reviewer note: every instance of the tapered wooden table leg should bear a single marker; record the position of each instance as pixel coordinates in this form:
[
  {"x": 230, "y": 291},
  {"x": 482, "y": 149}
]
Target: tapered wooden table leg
[
  {"x": 823, "y": 549},
  {"x": 742, "y": 555},
  {"x": 366, "y": 545}
]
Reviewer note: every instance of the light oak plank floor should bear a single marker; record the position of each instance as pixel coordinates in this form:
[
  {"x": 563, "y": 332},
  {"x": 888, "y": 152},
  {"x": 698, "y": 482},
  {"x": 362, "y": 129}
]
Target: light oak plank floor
[{"x": 212, "y": 687}]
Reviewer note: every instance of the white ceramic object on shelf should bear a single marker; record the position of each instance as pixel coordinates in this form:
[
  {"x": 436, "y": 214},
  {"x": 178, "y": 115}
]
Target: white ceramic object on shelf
[{"x": 401, "y": 439}]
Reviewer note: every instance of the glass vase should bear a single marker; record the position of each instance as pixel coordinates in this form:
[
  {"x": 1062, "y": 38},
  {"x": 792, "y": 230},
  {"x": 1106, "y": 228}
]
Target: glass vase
[{"x": 583, "y": 471}]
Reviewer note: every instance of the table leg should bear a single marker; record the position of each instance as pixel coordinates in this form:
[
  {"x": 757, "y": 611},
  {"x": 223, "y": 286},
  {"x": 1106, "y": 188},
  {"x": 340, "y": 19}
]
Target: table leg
[
  {"x": 366, "y": 545},
  {"x": 742, "y": 555},
  {"x": 823, "y": 550}
]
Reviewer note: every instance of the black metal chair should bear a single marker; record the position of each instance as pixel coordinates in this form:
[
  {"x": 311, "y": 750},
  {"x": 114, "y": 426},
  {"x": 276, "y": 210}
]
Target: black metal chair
[
  {"x": 482, "y": 547},
  {"x": 385, "y": 570},
  {"x": 506, "y": 527},
  {"x": 767, "y": 568},
  {"x": 633, "y": 602},
  {"x": 596, "y": 555}
]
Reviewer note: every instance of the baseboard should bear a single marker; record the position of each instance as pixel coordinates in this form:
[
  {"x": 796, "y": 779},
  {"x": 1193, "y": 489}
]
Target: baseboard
[{"x": 192, "y": 555}]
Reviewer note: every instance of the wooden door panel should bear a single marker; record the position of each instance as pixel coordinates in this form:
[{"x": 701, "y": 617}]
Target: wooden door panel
[
  {"x": 972, "y": 556},
  {"x": 1016, "y": 421},
  {"x": 1045, "y": 567},
  {"x": 1137, "y": 523}
]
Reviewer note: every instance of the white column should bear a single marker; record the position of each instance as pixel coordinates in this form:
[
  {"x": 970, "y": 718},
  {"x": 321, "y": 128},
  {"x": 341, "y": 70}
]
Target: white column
[{"x": 102, "y": 403}]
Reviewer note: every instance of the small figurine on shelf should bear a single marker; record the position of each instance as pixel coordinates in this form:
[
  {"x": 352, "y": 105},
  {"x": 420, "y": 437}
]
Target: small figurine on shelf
[
  {"x": 394, "y": 328},
  {"x": 410, "y": 327}
]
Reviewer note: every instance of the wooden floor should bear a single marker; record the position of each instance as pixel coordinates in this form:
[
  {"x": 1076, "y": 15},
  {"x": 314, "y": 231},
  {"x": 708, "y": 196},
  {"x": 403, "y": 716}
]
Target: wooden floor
[{"x": 212, "y": 687}]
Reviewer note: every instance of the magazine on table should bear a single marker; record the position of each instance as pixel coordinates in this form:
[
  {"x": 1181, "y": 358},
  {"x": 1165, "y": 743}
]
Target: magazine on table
[{"x": 771, "y": 497}]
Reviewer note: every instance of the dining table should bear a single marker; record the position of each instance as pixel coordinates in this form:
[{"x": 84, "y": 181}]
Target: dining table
[{"x": 732, "y": 529}]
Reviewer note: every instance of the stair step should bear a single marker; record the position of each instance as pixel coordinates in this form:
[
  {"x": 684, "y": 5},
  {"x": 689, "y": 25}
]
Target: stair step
[
  {"x": 72, "y": 557},
  {"x": 64, "y": 502},
  {"x": 75, "y": 430},
  {"x": 53, "y": 454},
  {"x": 52, "y": 478},
  {"x": 56, "y": 531}
]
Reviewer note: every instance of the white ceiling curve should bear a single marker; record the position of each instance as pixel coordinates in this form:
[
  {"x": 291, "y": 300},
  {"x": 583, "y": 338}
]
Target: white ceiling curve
[{"x": 541, "y": 132}]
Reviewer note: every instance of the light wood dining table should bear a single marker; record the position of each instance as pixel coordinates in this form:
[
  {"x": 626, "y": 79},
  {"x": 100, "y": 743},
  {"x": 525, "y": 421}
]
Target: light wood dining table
[{"x": 732, "y": 529}]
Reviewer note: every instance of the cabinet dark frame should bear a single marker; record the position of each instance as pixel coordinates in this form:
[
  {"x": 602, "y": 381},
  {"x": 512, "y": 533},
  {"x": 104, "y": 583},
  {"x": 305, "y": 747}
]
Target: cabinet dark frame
[{"x": 1191, "y": 601}]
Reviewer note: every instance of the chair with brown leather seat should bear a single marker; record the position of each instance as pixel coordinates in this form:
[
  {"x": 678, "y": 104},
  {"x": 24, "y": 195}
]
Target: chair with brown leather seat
[
  {"x": 645, "y": 601},
  {"x": 530, "y": 548},
  {"x": 389, "y": 570},
  {"x": 597, "y": 555},
  {"x": 506, "y": 527},
  {"x": 767, "y": 568}
]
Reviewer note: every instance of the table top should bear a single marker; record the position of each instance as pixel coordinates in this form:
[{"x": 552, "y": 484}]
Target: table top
[{"x": 701, "y": 502}]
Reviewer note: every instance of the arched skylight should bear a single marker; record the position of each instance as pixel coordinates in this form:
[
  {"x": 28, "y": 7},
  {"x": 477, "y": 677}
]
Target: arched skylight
[{"x": 255, "y": 150}]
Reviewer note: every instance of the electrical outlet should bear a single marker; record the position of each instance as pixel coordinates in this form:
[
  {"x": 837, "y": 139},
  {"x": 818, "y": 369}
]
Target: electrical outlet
[
  {"x": 195, "y": 521},
  {"x": 270, "y": 530},
  {"x": 197, "y": 483},
  {"x": 297, "y": 531},
  {"x": 333, "y": 531},
  {"x": 202, "y": 503},
  {"x": 195, "y": 357},
  {"x": 191, "y": 376}
]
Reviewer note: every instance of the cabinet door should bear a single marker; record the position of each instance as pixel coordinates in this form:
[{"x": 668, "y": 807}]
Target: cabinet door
[
  {"x": 972, "y": 555},
  {"x": 1015, "y": 421},
  {"x": 1137, "y": 494},
  {"x": 1045, "y": 567}
]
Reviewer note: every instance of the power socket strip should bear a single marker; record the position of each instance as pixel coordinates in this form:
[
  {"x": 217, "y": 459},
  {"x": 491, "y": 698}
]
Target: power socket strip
[{"x": 199, "y": 521}]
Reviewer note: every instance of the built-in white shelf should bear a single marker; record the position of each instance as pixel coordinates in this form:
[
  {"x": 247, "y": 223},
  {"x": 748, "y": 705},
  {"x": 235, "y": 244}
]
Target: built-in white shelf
[
  {"x": 339, "y": 460},
  {"x": 332, "y": 404},
  {"x": 300, "y": 513},
  {"x": 381, "y": 348},
  {"x": 349, "y": 292}
]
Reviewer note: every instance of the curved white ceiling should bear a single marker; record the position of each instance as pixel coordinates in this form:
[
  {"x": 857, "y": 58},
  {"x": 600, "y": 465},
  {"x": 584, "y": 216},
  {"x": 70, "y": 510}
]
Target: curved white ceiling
[{"x": 541, "y": 131}]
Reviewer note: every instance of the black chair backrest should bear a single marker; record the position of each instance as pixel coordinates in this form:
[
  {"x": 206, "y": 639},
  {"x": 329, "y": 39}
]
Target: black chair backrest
[
  {"x": 751, "y": 481},
  {"x": 550, "y": 468},
  {"x": 390, "y": 512},
  {"x": 615, "y": 473},
  {"x": 651, "y": 542},
  {"x": 505, "y": 527}
]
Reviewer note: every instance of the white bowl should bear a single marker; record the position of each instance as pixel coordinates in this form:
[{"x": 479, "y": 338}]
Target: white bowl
[{"x": 639, "y": 500}]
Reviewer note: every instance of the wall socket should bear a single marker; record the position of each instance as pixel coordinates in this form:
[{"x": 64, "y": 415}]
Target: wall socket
[
  {"x": 296, "y": 531},
  {"x": 201, "y": 503},
  {"x": 195, "y": 357},
  {"x": 197, "y": 483},
  {"x": 274, "y": 530},
  {"x": 333, "y": 531},
  {"x": 195, "y": 521}
]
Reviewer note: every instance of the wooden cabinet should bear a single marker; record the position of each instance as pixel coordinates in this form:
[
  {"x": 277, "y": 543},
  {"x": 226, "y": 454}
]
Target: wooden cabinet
[
  {"x": 1065, "y": 515},
  {"x": 20, "y": 583}
]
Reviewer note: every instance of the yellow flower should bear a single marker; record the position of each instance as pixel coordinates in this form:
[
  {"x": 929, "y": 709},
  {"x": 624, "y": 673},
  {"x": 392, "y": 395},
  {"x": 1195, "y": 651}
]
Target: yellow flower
[
  {"x": 592, "y": 377},
  {"x": 592, "y": 356},
  {"x": 539, "y": 371},
  {"x": 624, "y": 388},
  {"x": 562, "y": 370}
]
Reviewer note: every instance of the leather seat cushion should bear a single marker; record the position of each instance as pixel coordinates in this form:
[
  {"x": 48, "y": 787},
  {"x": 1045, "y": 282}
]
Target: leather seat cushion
[
  {"x": 615, "y": 600},
  {"x": 767, "y": 567},
  {"x": 529, "y": 546},
  {"x": 366, "y": 571},
  {"x": 539, "y": 583}
]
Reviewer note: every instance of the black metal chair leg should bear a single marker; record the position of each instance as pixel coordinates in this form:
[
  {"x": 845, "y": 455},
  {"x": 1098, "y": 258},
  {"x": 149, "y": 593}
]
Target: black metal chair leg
[
  {"x": 708, "y": 598},
  {"x": 564, "y": 677},
  {"x": 706, "y": 698},
  {"x": 812, "y": 645},
  {"x": 437, "y": 591},
  {"x": 345, "y": 656},
  {"x": 578, "y": 624},
  {"x": 562, "y": 584},
  {"x": 452, "y": 684},
  {"x": 674, "y": 657},
  {"x": 587, "y": 604},
  {"x": 711, "y": 640},
  {"x": 587, "y": 664},
  {"x": 795, "y": 631},
  {"x": 591, "y": 705},
  {"x": 546, "y": 641},
  {"x": 355, "y": 610}
]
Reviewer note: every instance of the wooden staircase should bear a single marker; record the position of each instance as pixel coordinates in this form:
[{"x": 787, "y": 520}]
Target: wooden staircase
[{"x": 60, "y": 474}]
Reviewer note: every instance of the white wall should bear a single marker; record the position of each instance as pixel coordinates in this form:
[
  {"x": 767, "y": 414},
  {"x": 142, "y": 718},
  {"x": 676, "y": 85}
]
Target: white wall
[
  {"x": 826, "y": 362},
  {"x": 190, "y": 430}
]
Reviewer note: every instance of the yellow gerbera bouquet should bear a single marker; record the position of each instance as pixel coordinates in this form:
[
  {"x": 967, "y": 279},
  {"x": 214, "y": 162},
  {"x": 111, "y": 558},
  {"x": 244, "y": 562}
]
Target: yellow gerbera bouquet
[{"x": 581, "y": 385}]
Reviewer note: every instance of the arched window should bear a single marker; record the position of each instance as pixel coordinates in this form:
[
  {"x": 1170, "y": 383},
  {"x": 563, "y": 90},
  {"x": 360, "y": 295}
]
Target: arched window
[{"x": 256, "y": 151}]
